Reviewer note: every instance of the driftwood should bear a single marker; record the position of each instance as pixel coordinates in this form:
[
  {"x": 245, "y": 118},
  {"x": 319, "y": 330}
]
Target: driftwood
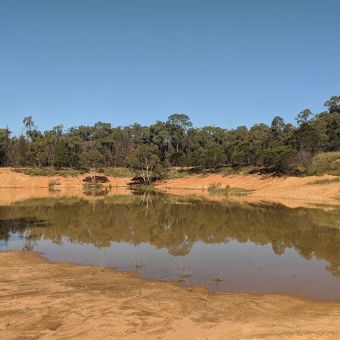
[{"x": 95, "y": 179}]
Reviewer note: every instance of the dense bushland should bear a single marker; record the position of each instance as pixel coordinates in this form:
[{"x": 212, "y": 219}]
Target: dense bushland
[{"x": 150, "y": 150}]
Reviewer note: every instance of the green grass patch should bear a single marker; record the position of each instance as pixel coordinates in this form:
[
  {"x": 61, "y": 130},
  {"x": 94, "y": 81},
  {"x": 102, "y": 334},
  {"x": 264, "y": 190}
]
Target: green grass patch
[
  {"x": 48, "y": 171},
  {"x": 177, "y": 172},
  {"x": 182, "y": 172},
  {"x": 218, "y": 189},
  {"x": 326, "y": 180},
  {"x": 117, "y": 172}
]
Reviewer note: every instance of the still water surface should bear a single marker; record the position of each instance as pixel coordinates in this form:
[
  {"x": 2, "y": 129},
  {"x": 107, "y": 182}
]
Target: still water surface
[{"x": 227, "y": 246}]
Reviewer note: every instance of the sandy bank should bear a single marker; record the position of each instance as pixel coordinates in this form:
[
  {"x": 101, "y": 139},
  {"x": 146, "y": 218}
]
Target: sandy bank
[
  {"x": 45, "y": 300},
  {"x": 12, "y": 179},
  {"x": 290, "y": 191}
]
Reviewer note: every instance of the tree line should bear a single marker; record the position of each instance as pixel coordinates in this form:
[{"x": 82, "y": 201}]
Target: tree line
[{"x": 150, "y": 150}]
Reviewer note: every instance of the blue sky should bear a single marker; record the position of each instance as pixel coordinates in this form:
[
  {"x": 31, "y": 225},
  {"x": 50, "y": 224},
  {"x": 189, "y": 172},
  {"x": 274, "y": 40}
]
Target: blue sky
[{"x": 224, "y": 63}]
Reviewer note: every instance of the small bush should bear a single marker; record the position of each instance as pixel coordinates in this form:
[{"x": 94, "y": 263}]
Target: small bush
[{"x": 325, "y": 163}]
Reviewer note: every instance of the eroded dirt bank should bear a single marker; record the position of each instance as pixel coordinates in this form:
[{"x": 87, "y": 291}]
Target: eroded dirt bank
[{"x": 42, "y": 300}]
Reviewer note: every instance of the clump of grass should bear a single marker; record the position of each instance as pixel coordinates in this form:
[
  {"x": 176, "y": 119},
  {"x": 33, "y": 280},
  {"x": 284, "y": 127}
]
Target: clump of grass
[
  {"x": 49, "y": 171},
  {"x": 236, "y": 170},
  {"x": 50, "y": 322},
  {"x": 325, "y": 163},
  {"x": 214, "y": 187},
  {"x": 326, "y": 180},
  {"x": 218, "y": 189},
  {"x": 190, "y": 289}
]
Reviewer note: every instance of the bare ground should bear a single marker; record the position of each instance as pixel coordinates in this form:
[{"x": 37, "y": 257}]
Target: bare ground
[
  {"x": 43, "y": 300},
  {"x": 290, "y": 191}
]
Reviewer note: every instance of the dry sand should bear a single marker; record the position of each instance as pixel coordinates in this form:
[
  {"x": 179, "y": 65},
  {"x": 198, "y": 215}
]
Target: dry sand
[
  {"x": 43, "y": 300},
  {"x": 12, "y": 179},
  {"x": 290, "y": 191}
]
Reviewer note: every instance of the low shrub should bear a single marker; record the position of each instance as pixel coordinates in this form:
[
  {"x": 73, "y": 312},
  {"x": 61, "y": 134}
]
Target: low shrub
[{"x": 325, "y": 163}]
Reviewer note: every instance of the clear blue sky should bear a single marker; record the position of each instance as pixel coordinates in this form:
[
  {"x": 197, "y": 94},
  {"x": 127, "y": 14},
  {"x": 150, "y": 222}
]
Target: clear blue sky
[{"x": 225, "y": 63}]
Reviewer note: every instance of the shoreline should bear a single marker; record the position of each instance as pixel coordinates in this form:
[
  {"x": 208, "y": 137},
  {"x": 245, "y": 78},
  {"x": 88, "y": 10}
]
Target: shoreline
[
  {"x": 40, "y": 298},
  {"x": 289, "y": 191},
  {"x": 199, "y": 286},
  {"x": 60, "y": 299}
]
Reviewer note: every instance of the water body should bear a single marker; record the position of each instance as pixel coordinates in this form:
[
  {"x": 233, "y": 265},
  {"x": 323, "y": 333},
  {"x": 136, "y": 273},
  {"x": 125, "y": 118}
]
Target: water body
[{"x": 228, "y": 246}]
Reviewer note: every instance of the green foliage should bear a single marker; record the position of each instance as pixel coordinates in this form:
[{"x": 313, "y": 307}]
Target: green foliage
[
  {"x": 91, "y": 158},
  {"x": 304, "y": 116},
  {"x": 4, "y": 144},
  {"x": 146, "y": 164},
  {"x": 325, "y": 163},
  {"x": 209, "y": 157},
  {"x": 149, "y": 150},
  {"x": 116, "y": 172},
  {"x": 280, "y": 157},
  {"x": 62, "y": 155},
  {"x": 333, "y": 104},
  {"x": 174, "y": 172}
]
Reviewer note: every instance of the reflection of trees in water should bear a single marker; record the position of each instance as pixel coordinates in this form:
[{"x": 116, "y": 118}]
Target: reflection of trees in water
[
  {"x": 29, "y": 245},
  {"x": 176, "y": 224},
  {"x": 182, "y": 248},
  {"x": 19, "y": 225}
]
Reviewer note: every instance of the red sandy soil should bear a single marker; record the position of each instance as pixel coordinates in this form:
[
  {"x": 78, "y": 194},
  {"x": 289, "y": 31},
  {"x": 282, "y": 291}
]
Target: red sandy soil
[
  {"x": 43, "y": 300},
  {"x": 290, "y": 191}
]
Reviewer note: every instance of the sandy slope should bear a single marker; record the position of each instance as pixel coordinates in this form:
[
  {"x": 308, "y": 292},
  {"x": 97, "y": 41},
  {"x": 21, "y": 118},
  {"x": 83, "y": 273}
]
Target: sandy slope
[
  {"x": 42, "y": 300},
  {"x": 12, "y": 179},
  {"x": 290, "y": 191}
]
